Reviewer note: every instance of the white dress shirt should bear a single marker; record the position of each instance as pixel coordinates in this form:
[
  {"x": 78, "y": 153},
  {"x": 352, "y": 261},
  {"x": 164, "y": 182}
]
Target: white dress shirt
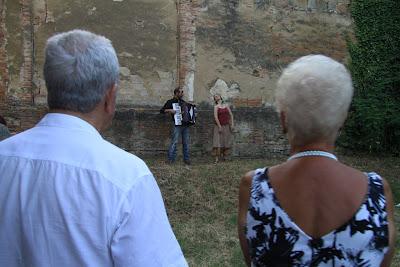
[{"x": 70, "y": 198}]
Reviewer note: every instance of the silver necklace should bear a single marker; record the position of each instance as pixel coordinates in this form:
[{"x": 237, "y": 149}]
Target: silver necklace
[{"x": 316, "y": 153}]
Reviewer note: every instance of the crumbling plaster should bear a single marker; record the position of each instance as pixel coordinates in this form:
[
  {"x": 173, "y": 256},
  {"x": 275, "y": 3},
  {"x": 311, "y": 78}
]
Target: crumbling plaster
[
  {"x": 13, "y": 45},
  {"x": 240, "y": 42},
  {"x": 142, "y": 32},
  {"x": 233, "y": 47},
  {"x": 249, "y": 42}
]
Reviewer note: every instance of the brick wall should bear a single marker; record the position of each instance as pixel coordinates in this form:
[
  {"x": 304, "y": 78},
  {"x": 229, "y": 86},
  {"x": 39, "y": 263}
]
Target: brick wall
[
  {"x": 187, "y": 45},
  {"x": 23, "y": 93},
  {"x": 248, "y": 102},
  {"x": 237, "y": 41},
  {"x": 20, "y": 116},
  {"x": 146, "y": 132},
  {"x": 26, "y": 73},
  {"x": 4, "y": 79}
]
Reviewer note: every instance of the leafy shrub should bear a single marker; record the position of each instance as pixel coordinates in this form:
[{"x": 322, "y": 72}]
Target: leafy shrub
[{"x": 374, "y": 120}]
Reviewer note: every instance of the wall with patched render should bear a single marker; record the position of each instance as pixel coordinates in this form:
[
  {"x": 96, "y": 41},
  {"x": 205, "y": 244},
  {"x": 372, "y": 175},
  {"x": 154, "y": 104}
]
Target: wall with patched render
[
  {"x": 235, "y": 48},
  {"x": 246, "y": 43},
  {"x": 143, "y": 33}
]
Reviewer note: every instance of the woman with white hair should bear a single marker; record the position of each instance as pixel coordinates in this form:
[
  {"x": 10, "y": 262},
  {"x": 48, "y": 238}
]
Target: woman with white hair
[{"x": 313, "y": 210}]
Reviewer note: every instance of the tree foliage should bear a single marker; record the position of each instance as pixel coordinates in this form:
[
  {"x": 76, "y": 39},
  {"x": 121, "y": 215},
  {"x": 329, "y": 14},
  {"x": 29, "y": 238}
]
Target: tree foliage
[{"x": 374, "y": 119}]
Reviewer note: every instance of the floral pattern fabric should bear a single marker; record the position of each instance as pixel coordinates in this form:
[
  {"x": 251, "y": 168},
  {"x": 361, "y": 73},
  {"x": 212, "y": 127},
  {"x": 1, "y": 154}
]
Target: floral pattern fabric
[{"x": 275, "y": 240}]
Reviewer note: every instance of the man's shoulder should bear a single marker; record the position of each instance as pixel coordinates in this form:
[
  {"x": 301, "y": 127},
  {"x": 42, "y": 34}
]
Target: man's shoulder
[
  {"x": 10, "y": 144},
  {"x": 79, "y": 150},
  {"x": 172, "y": 100},
  {"x": 118, "y": 164},
  {"x": 120, "y": 156},
  {"x": 168, "y": 105}
]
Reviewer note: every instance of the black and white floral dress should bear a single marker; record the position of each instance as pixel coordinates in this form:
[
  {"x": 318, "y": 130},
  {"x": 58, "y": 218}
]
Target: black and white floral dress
[{"x": 275, "y": 240}]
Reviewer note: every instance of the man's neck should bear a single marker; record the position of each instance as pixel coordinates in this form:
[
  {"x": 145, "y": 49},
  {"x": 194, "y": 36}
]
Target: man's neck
[{"x": 90, "y": 117}]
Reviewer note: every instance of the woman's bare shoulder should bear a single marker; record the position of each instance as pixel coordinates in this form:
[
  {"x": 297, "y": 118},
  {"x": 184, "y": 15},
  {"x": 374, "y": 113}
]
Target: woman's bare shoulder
[{"x": 247, "y": 178}]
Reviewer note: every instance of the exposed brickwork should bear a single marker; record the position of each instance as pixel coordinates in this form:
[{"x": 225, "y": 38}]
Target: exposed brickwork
[
  {"x": 20, "y": 116},
  {"x": 248, "y": 102},
  {"x": 146, "y": 132},
  {"x": 187, "y": 11},
  {"x": 4, "y": 78},
  {"x": 249, "y": 39},
  {"x": 26, "y": 74}
]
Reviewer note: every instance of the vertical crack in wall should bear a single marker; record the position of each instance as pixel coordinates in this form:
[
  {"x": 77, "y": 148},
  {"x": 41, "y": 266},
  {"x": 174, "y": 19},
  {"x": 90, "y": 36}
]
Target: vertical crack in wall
[
  {"x": 4, "y": 75},
  {"x": 25, "y": 93},
  {"x": 187, "y": 11}
]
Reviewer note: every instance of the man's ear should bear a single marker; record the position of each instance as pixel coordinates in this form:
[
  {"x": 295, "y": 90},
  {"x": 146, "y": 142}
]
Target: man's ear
[
  {"x": 282, "y": 117},
  {"x": 110, "y": 99}
]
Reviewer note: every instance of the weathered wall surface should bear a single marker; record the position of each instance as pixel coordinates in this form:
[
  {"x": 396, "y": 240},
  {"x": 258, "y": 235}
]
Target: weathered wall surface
[
  {"x": 234, "y": 47},
  {"x": 143, "y": 33},
  {"x": 246, "y": 43}
]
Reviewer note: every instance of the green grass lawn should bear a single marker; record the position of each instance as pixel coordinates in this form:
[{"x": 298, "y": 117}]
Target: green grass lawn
[{"x": 201, "y": 201}]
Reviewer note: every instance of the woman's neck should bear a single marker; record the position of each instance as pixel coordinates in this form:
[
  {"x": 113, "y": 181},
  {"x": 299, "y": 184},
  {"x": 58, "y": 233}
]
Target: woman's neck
[{"x": 321, "y": 146}]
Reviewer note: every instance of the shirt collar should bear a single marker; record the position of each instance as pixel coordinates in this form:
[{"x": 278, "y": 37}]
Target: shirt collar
[{"x": 61, "y": 120}]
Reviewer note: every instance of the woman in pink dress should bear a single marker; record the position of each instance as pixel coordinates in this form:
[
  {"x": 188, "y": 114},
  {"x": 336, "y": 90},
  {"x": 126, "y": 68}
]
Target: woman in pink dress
[{"x": 222, "y": 137}]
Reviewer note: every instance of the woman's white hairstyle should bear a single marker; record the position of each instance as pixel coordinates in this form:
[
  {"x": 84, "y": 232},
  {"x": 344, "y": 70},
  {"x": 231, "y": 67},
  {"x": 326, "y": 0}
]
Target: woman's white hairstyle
[
  {"x": 79, "y": 68},
  {"x": 314, "y": 93}
]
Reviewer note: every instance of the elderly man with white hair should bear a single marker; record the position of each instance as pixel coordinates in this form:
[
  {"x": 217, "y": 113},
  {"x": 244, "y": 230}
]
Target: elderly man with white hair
[
  {"x": 67, "y": 196},
  {"x": 313, "y": 210}
]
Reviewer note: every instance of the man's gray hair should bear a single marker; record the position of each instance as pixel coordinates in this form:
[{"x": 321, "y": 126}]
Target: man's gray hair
[
  {"x": 79, "y": 68},
  {"x": 315, "y": 93}
]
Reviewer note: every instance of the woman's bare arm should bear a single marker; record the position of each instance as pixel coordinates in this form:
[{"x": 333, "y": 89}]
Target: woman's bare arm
[
  {"x": 231, "y": 114},
  {"x": 244, "y": 197},
  {"x": 216, "y": 116}
]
